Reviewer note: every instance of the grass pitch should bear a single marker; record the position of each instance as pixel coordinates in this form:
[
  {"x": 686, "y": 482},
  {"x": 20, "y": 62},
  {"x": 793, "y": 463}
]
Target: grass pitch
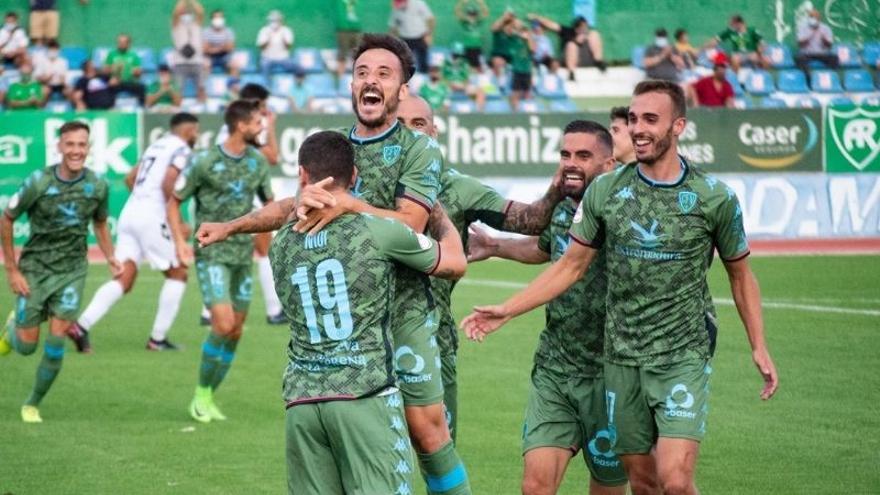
[{"x": 116, "y": 421}]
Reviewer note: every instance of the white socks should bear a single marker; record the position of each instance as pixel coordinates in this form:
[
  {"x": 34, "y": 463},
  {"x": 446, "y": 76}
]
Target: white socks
[
  {"x": 103, "y": 300},
  {"x": 169, "y": 302},
  {"x": 267, "y": 282}
]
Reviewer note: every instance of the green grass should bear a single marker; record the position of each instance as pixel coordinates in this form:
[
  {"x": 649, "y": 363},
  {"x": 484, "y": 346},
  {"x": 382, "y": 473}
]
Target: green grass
[{"x": 116, "y": 421}]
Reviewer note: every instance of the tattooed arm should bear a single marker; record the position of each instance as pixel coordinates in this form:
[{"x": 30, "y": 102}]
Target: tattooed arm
[
  {"x": 452, "y": 263},
  {"x": 267, "y": 219},
  {"x": 532, "y": 219}
]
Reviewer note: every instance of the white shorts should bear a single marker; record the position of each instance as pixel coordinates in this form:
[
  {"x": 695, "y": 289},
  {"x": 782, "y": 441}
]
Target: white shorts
[{"x": 143, "y": 235}]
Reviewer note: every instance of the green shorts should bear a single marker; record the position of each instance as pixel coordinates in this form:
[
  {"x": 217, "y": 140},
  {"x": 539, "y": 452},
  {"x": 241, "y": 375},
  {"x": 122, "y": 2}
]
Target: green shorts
[
  {"x": 570, "y": 413},
  {"x": 55, "y": 295},
  {"x": 417, "y": 358},
  {"x": 645, "y": 402},
  {"x": 223, "y": 283},
  {"x": 349, "y": 447},
  {"x": 450, "y": 391}
]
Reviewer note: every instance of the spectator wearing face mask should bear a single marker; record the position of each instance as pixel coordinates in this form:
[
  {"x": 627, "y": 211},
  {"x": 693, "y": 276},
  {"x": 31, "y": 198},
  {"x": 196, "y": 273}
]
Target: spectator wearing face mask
[
  {"x": 275, "y": 41},
  {"x": 662, "y": 60},
  {"x": 13, "y": 41},
  {"x": 187, "y": 60},
  {"x": 814, "y": 42},
  {"x": 50, "y": 68},
  {"x": 27, "y": 92},
  {"x": 219, "y": 43}
]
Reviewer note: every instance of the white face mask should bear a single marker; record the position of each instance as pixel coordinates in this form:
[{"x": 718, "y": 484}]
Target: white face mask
[
  {"x": 52, "y": 54},
  {"x": 661, "y": 42},
  {"x": 10, "y": 26},
  {"x": 218, "y": 22},
  {"x": 813, "y": 22},
  {"x": 275, "y": 24}
]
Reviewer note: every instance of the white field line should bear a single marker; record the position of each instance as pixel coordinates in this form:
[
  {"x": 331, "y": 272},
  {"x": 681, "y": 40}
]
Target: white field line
[{"x": 767, "y": 304}]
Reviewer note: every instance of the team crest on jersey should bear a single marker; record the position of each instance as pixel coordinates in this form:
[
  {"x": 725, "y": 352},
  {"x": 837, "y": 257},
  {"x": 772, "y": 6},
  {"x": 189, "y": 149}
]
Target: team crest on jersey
[
  {"x": 686, "y": 201},
  {"x": 252, "y": 164},
  {"x": 390, "y": 154},
  {"x": 89, "y": 189}
]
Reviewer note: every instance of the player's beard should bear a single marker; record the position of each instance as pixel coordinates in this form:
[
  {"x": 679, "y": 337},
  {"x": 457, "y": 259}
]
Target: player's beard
[
  {"x": 661, "y": 147},
  {"x": 253, "y": 140},
  {"x": 390, "y": 108}
]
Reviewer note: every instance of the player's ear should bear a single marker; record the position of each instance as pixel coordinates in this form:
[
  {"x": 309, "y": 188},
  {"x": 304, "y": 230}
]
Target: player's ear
[
  {"x": 303, "y": 178},
  {"x": 403, "y": 93},
  {"x": 678, "y": 125}
]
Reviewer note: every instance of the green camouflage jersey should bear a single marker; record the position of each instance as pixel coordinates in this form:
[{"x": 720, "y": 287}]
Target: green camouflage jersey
[
  {"x": 572, "y": 341},
  {"x": 337, "y": 289},
  {"x": 58, "y": 212},
  {"x": 224, "y": 187},
  {"x": 466, "y": 200},
  {"x": 659, "y": 240},
  {"x": 400, "y": 163}
]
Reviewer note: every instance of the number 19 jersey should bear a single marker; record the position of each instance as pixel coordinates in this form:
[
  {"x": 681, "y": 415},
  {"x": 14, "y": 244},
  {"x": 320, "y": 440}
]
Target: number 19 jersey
[{"x": 337, "y": 289}]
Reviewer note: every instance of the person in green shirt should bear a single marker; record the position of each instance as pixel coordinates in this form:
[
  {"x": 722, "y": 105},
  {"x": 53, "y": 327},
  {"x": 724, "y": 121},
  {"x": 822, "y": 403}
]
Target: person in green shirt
[
  {"x": 458, "y": 75},
  {"x": 745, "y": 44},
  {"x": 27, "y": 93},
  {"x": 435, "y": 90},
  {"x": 124, "y": 65},
  {"x": 472, "y": 14},
  {"x": 163, "y": 92},
  {"x": 348, "y": 32}
]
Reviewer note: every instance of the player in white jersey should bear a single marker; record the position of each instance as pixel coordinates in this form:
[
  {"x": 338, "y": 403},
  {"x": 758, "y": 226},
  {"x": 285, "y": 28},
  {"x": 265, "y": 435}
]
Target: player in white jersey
[
  {"x": 142, "y": 235},
  {"x": 269, "y": 148}
]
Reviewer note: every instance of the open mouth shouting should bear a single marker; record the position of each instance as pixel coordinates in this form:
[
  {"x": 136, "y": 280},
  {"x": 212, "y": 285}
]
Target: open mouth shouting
[{"x": 371, "y": 100}]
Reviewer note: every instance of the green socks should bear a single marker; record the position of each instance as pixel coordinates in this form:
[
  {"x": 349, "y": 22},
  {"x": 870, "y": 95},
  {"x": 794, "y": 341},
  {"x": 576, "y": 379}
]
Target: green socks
[
  {"x": 50, "y": 365},
  {"x": 226, "y": 357},
  {"x": 217, "y": 354},
  {"x": 444, "y": 472}
]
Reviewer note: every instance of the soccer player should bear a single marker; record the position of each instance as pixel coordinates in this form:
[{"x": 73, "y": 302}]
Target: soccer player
[
  {"x": 268, "y": 146},
  {"x": 336, "y": 287},
  {"x": 467, "y": 200},
  {"x": 224, "y": 180},
  {"x": 623, "y": 146},
  {"x": 48, "y": 278},
  {"x": 143, "y": 235},
  {"x": 659, "y": 221},
  {"x": 566, "y": 408}
]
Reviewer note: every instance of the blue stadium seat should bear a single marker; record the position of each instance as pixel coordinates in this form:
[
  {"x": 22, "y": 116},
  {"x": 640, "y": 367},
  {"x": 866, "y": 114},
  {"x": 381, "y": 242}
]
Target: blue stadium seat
[
  {"x": 126, "y": 102},
  {"x": 58, "y": 106},
  {"x": 769, "y": 102},
  {"x": 148, "y": 58},
  {"x": 344, "y": 87},
  {"x": 792, "y": 81},
  {"x": 841, "y": 101},
  {"x": 75, "y": 56},
  {"x": 779, "y": 55},
  {"x": 858, "y": 81},
  {"x": 245, "y": 59},
  {"x": 189, "y": 89},
  {"x": 308, "y": 60},
  {"x": 551, "y": 86},
  {"x": 165, "y": 55},
  {"x": 563, "y": 106},
  {"x": 871, "y": 53},
  {"x": 437, "y": 55},
  {"x": 730, "y": 75},
  {"x": 279, "y": 105},
  {"x": 464, "y": 106},
  {"x": 281, "y": 84},
  {"x": 743, "y": 103},
  {"x": 638, "y": 56},
  {"x": 847, "y": 55},
  {"x": 254, "y": 79},
  {"x": 497, "y": 106},
  {"x": 871, "y": 100},
  {"x": 805, "y": 101},
  {"x": 760, "y": 83},
  {"x": 531, "y": 106},
  {"x": 825, "y": 81},
  {"x": 323, "y": 84},
  {"x": 216, "y": 85},
  {"x": 99, "y": 55}
]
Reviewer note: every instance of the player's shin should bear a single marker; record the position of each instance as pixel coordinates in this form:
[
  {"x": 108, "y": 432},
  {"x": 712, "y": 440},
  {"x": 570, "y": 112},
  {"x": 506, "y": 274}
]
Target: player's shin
[
  {"x": 444, "y": 471},
  {"x": 169, "y": 303},
  {"x": 50, "y": 365},
  {"x": 105, "y": 297}
]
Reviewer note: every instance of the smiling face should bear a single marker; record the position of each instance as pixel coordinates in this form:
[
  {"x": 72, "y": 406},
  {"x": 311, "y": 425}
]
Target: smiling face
[
  {"x": 582, "y": 158},
  {"x": 653, "y": 127},
  {"x": 377, "y": 88},
  {"x": 74, "y": 148},
  {"x": 416, "y": 114}
]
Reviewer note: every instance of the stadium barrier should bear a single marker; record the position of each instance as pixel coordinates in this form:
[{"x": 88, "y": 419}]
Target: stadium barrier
[{"x": 776, "y": 158}]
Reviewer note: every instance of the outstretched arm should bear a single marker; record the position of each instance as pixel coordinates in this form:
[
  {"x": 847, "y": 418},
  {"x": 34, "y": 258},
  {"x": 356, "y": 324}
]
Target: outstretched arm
[
  {"x": 105, "y": 243},
  {"x": 267, "y": 219},
  {"x": 525, "y": 250}
]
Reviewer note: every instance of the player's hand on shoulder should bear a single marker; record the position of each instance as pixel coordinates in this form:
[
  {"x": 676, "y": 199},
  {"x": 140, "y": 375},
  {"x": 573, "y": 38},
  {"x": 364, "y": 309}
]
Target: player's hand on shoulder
[
  {"x": 314, "y": 196},
  {"x": 209, "y": 233},
  {"x": 18, "y": 283},
  {"x": 480, "y": 245}
]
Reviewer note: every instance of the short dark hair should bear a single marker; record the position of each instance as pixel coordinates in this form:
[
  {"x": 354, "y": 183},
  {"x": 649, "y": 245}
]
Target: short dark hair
[
  {"x": 52, "y": 43},
  {"x": 12, "y": 14},
  {"x": 73, "y": 125},
  {"x": 328, "y": 154},
  {"x": 619, "y": 113},
  {"x": 661, "y": 32},
  {"x": 579, "y": 20},
  {"x": 373, "y": 41},
  {"x": 239, "y": 111},
  {"x": 254, "y": 91},
  {"x": 183, "y": 118},
  {"x": 216, "y": 11},
  {"x": 737, "y": 18},
  {"x": 679, "y": 33},
  {"x": 669, "y": 88},
  {"x": 591, "y": 127}
]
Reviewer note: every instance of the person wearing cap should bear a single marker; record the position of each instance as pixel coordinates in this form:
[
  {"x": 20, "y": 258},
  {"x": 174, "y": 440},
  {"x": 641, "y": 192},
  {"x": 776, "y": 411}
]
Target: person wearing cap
[
  {"x": 413, "y": 22},
  {"x": 579, "y": 45},
  {"x": 662, "y": 60},
  {"x": 472, "y": 14},
  {"x": 714, "y": 90},
  {"x": 745, "y": 43},
  {"x": 163, "y": 93},
  {"x": 275, "y": 41}
]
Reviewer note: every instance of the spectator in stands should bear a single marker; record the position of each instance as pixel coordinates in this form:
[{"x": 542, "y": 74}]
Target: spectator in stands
[
  {"x": 714, "y": 90},
  {"x": 50, "y": 68},
  {"x": 93, "y": 91},
  {"x": 662, "y": 60},
  {"x": 219, "y": 43},
  {"x": 302, "y": 95},
  {"x": 27, "y": 92},
  {"x": 814, "y": 43},
  {"x": 124, "y": 65},
  {"x": 472, "y": 14},
  {"x": 543, "y": 53},
  {"x": 187, "y": 60},
  {"x": 163, "y": 94},
  {"x": 43, "y": 22},
  {"x": 275, "y": 41},
  {"x": 579, "y": 45},
  {"x": 745, "y": 44},
  {"x": 348, "y": 32},
  {"x": 456, "y": 74},
  {"x": 503, "y": 33},
  {"x": 619, "y": 128},
  {"x": 233, "y": 89},
  {"x": 435, "y": 90},
  {"x": 685, "y": 49},
  {"x": 521, "y": 49},
  {"x": 13, "y": 41},
  {"x": 413, "y": 22}
]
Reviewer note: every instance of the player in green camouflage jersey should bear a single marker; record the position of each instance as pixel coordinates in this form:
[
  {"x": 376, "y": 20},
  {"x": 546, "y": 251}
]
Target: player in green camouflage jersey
[
  {"x": 659, "y": 221},
  {"x": 224, "y": 181},
  {"x": 566, "y": 406},
  {"x": 48, "y": 278},
  {"x": 337, "y": 288},
  {"x": 467, "y": 200}
]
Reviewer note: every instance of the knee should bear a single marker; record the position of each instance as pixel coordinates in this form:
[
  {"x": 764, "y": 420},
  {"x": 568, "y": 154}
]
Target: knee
[
  {"x": 677, "y": 484},
  {"x": 25, "y": 348},
  {"x": 223, "y": 326},
  {"x": 536, "y": 485}
]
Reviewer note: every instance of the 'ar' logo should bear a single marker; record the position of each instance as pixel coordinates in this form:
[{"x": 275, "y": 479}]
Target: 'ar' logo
[{"x": 855, "y": 132}]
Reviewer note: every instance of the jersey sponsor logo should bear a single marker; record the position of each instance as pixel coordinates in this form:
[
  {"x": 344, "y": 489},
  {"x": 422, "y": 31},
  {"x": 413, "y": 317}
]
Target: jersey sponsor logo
[
  {"x": 13, "y": 150},
  {"x": 679, "y": 401},
  {"x": 648, "y": 238},
  {"x": 390, "y": 154},
  {"x": 625, "y": 193},
  {"x": 856, "y": 134},
  {"x": 408, "y": 361},
  {"x": 686, "y": 201},
  {"x": 69, "y": 213}
]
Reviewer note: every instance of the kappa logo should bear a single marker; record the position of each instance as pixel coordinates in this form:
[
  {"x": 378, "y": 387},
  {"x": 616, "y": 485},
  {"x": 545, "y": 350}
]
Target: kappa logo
[
  {"x": 13, "y": 150},
  {"x": 237, "y": 188},
  {"x": 686, "y": 201},
  {"x": 625, "y": 193},
  {"x": 390, "y": 154},
  {"x": 648, "y": 239},
  {"x": 855, "y": 132},
  {"x": 68, "y": 211}
]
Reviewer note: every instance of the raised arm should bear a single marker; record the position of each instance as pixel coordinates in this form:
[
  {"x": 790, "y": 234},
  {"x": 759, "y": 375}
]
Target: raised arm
[
  {"x": 525, "y": 250},
  {"x": 267, "y": 219},
  {"x": 545, "y": 22}
]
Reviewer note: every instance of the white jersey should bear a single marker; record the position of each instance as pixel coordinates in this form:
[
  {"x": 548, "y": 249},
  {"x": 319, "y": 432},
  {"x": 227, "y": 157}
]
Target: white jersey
[{"x": 168, "y": 151}]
